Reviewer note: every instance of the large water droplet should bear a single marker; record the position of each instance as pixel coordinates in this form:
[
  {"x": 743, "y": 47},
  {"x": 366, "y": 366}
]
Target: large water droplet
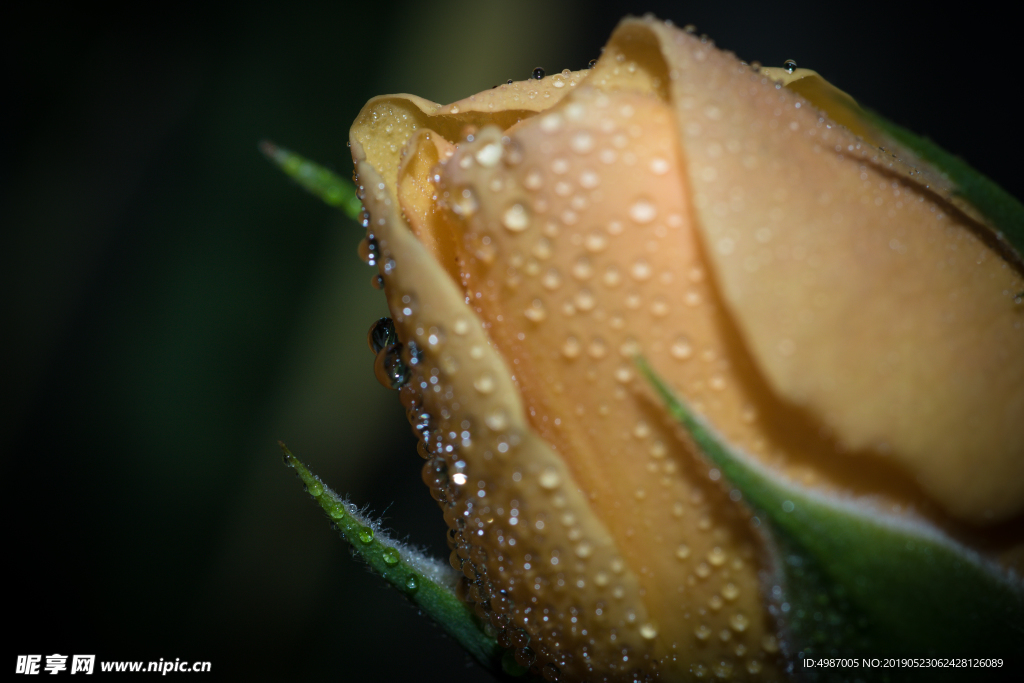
[
  {"x": 538, "y": 73},
  {"x": 381, "y": 334},
  {"x": 389, "y": 368},
  {"x": 489, "y": 155},
  {"x": 390, "y": 556},
  {"x": 789, "y": 65}
]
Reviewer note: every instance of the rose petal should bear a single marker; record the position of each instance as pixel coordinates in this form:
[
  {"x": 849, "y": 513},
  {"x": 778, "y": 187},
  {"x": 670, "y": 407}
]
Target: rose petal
[
  {"x": 853, "y": 288},
  {"x": 576, "y": 258},
  {"x": 523, "y": 524}
]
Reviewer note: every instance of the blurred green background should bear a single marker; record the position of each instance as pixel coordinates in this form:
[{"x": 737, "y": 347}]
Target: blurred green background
[{"x": 174, "y": 305}]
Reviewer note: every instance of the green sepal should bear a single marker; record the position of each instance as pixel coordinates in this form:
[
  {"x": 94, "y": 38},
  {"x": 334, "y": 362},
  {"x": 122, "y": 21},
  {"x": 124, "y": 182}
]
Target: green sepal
[
  {"x": 854, "y": 581},
  {"x": 1002, "y": 210},
  {"x": 322, "y": 182},
  {"x": 427, "y": 583}
]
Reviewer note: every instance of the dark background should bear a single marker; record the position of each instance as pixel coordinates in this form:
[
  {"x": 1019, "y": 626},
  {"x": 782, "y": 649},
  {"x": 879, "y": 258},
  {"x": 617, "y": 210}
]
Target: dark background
[{"x": 174, "y": 305}]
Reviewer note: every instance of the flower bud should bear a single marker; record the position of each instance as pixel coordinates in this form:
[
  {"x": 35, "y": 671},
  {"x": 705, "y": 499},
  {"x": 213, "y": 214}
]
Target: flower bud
[{"x": 847, "y": 327}]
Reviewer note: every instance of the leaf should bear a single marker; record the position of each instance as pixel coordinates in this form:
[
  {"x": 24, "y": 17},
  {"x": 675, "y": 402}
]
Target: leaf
[
  {"x": 857, "y": 582},
  {"x": 427, "y": 583},
  {"x": 325, "y": 184}
]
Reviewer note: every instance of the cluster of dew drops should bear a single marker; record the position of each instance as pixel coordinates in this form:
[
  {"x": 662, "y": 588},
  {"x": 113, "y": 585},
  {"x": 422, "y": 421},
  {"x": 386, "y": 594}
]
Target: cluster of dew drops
[{"x": 392, "y": 358}]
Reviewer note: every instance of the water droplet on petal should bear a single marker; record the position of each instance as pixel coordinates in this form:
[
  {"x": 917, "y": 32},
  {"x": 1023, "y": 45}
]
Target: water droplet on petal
[
  {"x": 648, "y": 631},
  {"x": 484, "y": 384},
  {"x": 536, "y": 313},
  {"x": 516, "y": 218},
  {"x": 465, "y": 203},
  {"x": 549, "y": 479},
  {"x": 681, "y": 349},
  {"x": 381, "y": 334},
  {"x": 643, "y": 211},
  {"x": 571, "y": 348},
  {"x": 538, "y": 73},
  {"x": 582, "y": 142},
  {"x": 789, "y": 65},
  {"x": 489, "y": 155}
]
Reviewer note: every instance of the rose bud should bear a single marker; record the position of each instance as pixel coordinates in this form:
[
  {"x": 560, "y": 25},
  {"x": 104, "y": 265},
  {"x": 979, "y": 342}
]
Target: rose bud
[{"x": 837, "y": 314}]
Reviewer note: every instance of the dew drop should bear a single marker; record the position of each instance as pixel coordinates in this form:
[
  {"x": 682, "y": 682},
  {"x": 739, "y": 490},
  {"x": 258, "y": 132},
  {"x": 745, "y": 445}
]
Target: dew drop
[
  {"x": 585, "y": 300},
  {"x": 549, "y": 479},
  {"x": 641, "y": 270},
  {"x": 533, "y": 180},
  {"x": 643, "y": 211},
  {"x": 489, "y": 155},
  {"x": 584, "y": 550},
  {"x": 536, "y": 313},
  {"x": 702, "y": 632},
  {"x": 496, "y": 421},
  {"x": 315, "y": 488},
  {"x": 551, "y": 123},
  {"x": 381, "y": 334},
  {"x": 390, "y": 556},
  {"x": 484, "y": 384},
  {"x": 365, "y": 534},
  {"x": 683, "y": 551},
  {"x": 582, "y": 142},
  {"x": 789, "y": 65},
  {"x": 538, "y": 73},
  {"x": 659, "y": 166},
  {"x": 571, "y": 348},
  {"x": 589, "y": 180},
  {"x": 582, "y": 269},
  {"x": 551, "y": 280},
  {"x": 648, "y": 631},
  {"x": 717, "y": 557},
  {"x": 739, "y": 623},
  {"x": 597, "y": 349},
  {"x": 389, "y": 368},
  {"x": 411, "y": 584},
  {"x": 624, "y": 374},
  {"x": 466, "y": 203},
  {"x": 516, "y": 218},
  {"x": 730, "y": 591}
]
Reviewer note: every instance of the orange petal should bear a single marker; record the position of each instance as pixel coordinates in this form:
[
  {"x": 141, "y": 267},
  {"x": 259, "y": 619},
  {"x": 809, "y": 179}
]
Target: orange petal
[
  {"x": 862, "y": 298},
  {"x": 575, "y": 259}
]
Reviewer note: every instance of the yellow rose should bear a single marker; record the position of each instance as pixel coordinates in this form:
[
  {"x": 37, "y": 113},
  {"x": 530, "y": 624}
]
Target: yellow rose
[{"x": 848, "y": 325}]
